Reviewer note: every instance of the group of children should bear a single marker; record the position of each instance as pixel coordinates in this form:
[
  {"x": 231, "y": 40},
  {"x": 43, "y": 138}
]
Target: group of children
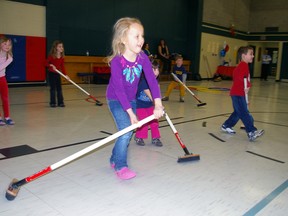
[
  {"x": 127, "y": 61},
  {"x": 133, "y": 92}
]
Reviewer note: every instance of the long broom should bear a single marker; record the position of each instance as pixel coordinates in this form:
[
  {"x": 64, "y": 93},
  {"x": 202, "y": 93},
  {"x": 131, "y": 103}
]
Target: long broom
[
  {"x": 15, "y": 185},
  {"x": 188, "y": 156},
  {"x": 98, "y": 103},
  {"x": 199, "y": 101},
  {"x": 208, "y": 71}
]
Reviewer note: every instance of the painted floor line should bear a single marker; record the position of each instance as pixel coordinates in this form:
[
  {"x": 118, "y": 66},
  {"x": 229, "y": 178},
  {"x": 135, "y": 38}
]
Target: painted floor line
[
  {"x": 269, "y": 158},
  {"x": 264, "y": 202},
  {"x": 213, "y": 135}
]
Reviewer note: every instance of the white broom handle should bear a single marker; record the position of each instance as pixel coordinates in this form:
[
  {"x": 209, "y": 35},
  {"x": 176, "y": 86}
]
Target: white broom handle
[
  {"x": 182, "y": 83},
  {"x": 72, "y": 82},
  {"x": 245, "y": 87},
  {"x": 101, "y": 142},
  {"x": 170, "y": 123}
]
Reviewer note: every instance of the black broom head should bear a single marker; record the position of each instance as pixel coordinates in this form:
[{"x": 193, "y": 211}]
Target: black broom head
[
  {"x": 190, "y": 157},
  {"x": 98, "y": 103},
  {"x": 201, "y": 104}
]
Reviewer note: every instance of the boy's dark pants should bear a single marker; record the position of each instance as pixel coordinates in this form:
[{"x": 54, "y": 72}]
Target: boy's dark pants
[{"x": 240, "y": 112}]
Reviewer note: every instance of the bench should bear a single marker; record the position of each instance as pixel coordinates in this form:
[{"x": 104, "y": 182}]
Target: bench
[
  {"x": 86, "y": 77},
  {"x": 99, "y": 75},
  {"x": 83, "y": 65},
  {"x": 102, "y": 74}
]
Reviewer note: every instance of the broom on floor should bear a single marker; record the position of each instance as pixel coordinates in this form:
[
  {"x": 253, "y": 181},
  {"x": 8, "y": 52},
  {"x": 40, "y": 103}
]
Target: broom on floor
[
  {"x": 98, "y": 103},
  {"x": 188, "y": 156},
  {"x": 15, "y": 185},
  {"x": 199, "y": 101}
]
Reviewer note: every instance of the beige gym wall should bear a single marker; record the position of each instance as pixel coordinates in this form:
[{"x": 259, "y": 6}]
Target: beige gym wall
[
  {"x": 211, "y": 45},
  {"x": 22, "y": 19}
]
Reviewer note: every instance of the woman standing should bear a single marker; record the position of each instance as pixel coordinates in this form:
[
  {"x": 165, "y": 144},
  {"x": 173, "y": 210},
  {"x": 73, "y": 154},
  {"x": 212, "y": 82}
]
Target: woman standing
[{"x": 163, "y": 54}]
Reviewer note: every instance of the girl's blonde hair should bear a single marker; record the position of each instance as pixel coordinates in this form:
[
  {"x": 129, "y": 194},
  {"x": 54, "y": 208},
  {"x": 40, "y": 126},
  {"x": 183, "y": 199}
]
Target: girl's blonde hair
[
  {"x": 120, "y": 29},
  {"x": 5, "y": 39},
  {"x": 53, "y": 49}
]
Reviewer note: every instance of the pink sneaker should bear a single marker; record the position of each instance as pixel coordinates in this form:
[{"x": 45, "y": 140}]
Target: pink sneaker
[
  {"x": 125, "y": 173},
  {"x": 112, "y": 165}
]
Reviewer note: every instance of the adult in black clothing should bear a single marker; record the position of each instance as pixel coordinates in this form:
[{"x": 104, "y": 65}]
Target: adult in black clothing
[
  {"x": 266, "y": 59},
  {"x": 164, "y": 56}
]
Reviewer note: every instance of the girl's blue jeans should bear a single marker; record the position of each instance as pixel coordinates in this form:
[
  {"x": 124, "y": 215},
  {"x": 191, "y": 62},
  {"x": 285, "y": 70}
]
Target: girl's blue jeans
[
  {"x": 122, "y": 120},
  {"x": 240, "y": 112}
]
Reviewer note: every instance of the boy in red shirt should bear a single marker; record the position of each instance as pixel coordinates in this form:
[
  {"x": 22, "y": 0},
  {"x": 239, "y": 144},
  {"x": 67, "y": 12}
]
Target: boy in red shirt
[{"x": 237, "y": 93}]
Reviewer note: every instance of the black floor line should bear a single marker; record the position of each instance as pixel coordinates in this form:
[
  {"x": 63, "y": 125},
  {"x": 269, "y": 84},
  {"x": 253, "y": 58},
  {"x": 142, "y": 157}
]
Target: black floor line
[
  {"x": 213, "y": 135},
  {"x": 269, "y": 123},
  {"x": 22, "y": 150},
  {"x": 272, "y": 159},
  {"x": 72, "y": 144},
  {"x": 223, "y": 114},
  {"x": 46, "y": 102},
  {"x": 193, "y": 120},
  {"x": 105, "y": 132},
  {"x": 26, "y": 149}
]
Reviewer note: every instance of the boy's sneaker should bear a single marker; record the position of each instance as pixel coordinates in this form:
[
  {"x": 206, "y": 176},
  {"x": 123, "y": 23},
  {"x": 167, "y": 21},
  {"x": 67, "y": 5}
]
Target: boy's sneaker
[
  {"x": 255, "y": 134},
  {"x": 227, "y": 129},
  {"x": 165, "y": 98},
  {"x": 139, "y": 141},
  {"x": 125, "y": 173},
  {"x": 2, "y": 123},
  {"x": 157, "y": 142},
  {"x": 181, "y": 99},
  {"x": 9, "y": 121}
]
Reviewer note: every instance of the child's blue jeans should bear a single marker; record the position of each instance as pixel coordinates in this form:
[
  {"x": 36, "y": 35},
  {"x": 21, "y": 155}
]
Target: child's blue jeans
[
  {"x": 240, "y": 112},
  {"x": 122, "y": 120}
]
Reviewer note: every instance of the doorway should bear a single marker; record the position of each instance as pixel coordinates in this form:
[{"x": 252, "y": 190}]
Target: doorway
[
  {"x": 284, "y": 65},
  {"x": 273, "y": 52}
]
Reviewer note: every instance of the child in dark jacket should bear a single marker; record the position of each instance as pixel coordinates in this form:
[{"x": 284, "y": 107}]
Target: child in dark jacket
[
  {"x": 180, "y": 71},
  {"x": 144, "y": 108}
]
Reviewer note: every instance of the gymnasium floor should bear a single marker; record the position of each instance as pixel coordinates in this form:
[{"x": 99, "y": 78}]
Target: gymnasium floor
[{"x": 233, "y": 176}]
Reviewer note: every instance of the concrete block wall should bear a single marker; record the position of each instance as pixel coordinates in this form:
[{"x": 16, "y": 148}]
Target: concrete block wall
[
  {"x": 266, "y": 13},
  {"x": 247, "y": 15},
  {"x": 226, "y": 12}
]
